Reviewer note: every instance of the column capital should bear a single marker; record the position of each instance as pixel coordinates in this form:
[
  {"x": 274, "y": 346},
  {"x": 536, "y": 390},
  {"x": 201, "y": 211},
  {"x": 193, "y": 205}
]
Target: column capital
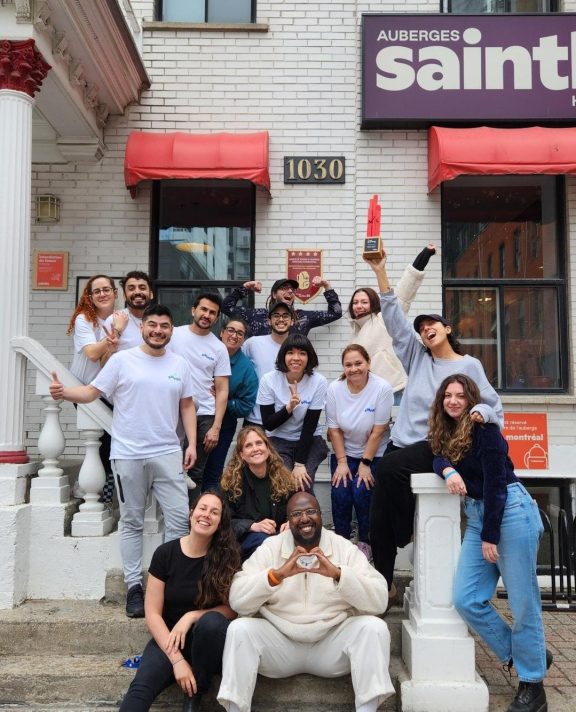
[{"x": 22, "y": 67}]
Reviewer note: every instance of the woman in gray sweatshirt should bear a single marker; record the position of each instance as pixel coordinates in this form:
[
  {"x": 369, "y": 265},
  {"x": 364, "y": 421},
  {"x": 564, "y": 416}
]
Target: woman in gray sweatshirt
[{"x": 427, "y": 361}]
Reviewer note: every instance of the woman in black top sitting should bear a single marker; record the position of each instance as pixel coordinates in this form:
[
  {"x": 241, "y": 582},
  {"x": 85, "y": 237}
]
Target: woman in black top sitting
[
  {"x": 187, "y": 609},
  {"x": 257, "y": 485}
]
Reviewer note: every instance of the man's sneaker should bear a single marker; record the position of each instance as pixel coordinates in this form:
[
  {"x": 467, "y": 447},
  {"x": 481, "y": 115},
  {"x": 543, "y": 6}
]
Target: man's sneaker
[
  {"x": 190, "y": 483},
  {"x": 135, "y": 602},
  {"x": 531, "y": 697}
]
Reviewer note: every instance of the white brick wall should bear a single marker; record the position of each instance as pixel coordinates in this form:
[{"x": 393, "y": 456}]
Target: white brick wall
[{"x": 301, "y": 82}]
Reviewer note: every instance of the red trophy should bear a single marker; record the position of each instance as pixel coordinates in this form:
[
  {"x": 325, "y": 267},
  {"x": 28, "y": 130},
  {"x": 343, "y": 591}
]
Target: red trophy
[{"x": 373, "y": 247}]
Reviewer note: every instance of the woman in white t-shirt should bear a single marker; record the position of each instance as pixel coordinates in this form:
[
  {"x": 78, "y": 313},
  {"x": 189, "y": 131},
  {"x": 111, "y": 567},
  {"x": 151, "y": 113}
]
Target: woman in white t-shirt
[
  {"x": 91, "y": 342},
  {"x": 358, "y": 408},
  {"x": 291, "y": 399}
]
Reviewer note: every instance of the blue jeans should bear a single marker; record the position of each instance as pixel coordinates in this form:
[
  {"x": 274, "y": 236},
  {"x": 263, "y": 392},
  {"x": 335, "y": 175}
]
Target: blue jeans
[
  {"x": 216, "y": 459},
  {"x": 250, "y": 543},
  {"x": 349, "y": 495},
  {"x": 476, "y": 581}
]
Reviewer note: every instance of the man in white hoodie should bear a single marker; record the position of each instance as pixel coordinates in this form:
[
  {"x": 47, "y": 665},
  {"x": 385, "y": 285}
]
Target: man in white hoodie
[{"x": 313, "y": 599}]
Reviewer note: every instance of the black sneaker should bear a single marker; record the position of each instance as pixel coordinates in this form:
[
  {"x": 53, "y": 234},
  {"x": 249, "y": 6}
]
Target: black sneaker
[
  {"x": 531, "y": 697},
  {"x": 135, "y": 602}
]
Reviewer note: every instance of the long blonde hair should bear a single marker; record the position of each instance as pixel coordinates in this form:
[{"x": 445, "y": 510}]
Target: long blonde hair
[
  {"x": 448, "y": 437},
  {"x": 282, "y": 482}
]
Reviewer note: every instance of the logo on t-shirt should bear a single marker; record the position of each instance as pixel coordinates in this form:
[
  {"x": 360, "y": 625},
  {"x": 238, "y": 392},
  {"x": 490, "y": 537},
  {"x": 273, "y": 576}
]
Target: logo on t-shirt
[
  {"x": 369, "y": 410},
  {"x": 210, "y": 358},
  {"x": 175, "y": 378}
]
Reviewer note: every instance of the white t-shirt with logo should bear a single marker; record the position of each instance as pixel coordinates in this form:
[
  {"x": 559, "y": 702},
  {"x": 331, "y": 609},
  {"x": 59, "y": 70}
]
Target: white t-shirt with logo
[
  {"x": 207, "y": 357},
  {"x": 355, "y": 414},
  {"x": 132, "y": 334},
  {"x": 262, "y": 351},
  {"x": 85, "y": 334},
  {"x": 147, "y": 391},
  {"x": 274, "y": 390}
]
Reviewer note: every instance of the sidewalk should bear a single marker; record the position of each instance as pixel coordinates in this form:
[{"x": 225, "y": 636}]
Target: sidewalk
[{"x": 561, "y": 680}]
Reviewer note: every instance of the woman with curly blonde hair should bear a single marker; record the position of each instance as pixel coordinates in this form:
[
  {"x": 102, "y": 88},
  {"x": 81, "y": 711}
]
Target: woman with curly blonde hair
[{"x": 257, "y": 485}]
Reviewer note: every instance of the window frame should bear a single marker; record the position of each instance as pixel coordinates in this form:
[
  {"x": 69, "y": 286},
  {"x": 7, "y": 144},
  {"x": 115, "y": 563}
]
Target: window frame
[
  {"x": 499, "y": 284},
  {"x": 446, "y": 5},
  {"x": 159, "y": 13},
  {"x": 222, "y": 286}
]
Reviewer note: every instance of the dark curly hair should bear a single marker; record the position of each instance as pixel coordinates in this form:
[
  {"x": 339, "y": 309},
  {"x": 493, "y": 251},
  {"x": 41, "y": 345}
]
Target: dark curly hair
[{"x": 221, "y": 562}]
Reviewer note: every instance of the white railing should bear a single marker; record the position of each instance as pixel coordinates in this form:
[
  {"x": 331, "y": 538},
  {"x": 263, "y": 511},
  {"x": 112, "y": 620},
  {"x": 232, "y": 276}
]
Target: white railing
[{"x": 52, "y": 486}]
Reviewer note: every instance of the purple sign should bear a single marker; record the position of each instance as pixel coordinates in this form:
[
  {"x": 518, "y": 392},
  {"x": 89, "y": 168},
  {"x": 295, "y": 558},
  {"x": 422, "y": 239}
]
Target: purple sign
[{"x": 453, "y": 69}]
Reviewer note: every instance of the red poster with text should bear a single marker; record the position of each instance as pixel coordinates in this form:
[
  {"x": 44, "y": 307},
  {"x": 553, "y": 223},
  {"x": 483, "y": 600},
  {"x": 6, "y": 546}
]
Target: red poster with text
[
  {"x": 304, "y": 265},
  {"x": 527, "y": 436}
]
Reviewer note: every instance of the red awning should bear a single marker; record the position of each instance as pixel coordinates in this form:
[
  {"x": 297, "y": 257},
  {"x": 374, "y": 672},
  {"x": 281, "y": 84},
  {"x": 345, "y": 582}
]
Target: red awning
[
  {"x": 153, "y": 156},
  {"x": 488, "y": 151}
]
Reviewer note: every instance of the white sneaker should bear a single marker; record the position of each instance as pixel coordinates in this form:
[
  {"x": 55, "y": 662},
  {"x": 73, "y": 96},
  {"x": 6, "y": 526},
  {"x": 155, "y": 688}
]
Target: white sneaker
[{"x": 190, "y": 483}]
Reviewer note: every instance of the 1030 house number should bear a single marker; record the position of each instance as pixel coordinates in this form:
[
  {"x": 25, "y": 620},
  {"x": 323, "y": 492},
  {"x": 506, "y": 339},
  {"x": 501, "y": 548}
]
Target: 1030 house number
[{"x": 314, "y": 169}]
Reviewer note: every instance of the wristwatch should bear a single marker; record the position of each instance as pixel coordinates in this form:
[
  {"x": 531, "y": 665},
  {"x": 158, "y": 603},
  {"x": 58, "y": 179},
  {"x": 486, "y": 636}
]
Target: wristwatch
[{"x": 366, "y": 461}]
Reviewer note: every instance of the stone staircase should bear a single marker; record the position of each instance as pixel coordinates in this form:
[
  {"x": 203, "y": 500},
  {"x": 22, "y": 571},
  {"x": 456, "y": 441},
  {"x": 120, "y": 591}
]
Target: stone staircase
[{"x": 66, "y": 655}]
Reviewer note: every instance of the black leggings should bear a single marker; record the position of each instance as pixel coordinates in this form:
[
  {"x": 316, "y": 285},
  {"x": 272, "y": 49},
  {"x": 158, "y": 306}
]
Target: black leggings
[
  {"x": 392, "y": 510},
  {"x": 203, "y": 650}
]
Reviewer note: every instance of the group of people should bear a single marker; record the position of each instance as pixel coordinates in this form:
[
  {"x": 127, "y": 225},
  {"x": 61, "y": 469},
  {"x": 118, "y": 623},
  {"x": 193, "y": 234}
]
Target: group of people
[{"x": 258, "y": 508}]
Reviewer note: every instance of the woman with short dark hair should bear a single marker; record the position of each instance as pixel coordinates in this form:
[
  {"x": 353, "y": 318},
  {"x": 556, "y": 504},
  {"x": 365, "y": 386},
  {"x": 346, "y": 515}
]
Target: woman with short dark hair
[{"x": 291, "y": 399}]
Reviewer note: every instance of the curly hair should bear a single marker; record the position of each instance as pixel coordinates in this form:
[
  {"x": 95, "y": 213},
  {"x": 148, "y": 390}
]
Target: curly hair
[
  {"x": 448, "y": 437},
  {"x": 282, "y": 483},
  {"x": 221, "y": 562},
  {"x": 85, "y": 305}
]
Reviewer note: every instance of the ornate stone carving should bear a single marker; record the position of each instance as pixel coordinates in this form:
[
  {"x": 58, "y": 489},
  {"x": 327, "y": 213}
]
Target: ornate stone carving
[
  {"x": 23, "y": 11},
  {"x": 22, "y": 67}
]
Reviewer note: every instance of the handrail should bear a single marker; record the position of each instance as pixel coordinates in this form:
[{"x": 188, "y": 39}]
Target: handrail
[{"x": 45, "y": 362}]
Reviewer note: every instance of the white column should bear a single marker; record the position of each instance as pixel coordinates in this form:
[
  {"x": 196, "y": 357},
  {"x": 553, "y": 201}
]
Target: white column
[
  {"x": 436, "y": 646},
  {"x": 15, "y": 182}
]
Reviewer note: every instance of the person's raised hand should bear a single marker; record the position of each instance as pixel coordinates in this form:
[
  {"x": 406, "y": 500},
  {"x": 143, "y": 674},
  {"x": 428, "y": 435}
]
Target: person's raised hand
[
  {"x": 253, "y": 286},
  {"x": 56, "y": 388},
  {"x": 294, "y": 397},
  {"x": 320, "y": 282}
]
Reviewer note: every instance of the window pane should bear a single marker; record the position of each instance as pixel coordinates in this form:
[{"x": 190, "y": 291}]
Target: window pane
[
  {"x": 205, "y": 230},
  {"x": 230, "y": 11},
  {"x": 519, "y": 240},
  {"x": 480, "y": 7},
  {"x": 532, "y": 341},
  {"x": 474, "y": 316},
  {"x": 183, "y": 10}
]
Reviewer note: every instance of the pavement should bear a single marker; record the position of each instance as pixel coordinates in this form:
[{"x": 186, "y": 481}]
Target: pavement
[{"x": 561, "y": 681}]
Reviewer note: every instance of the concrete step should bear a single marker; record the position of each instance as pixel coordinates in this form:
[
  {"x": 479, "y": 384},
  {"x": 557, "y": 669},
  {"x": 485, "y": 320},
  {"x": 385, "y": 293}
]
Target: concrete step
[{"x": 67, "y": 655}]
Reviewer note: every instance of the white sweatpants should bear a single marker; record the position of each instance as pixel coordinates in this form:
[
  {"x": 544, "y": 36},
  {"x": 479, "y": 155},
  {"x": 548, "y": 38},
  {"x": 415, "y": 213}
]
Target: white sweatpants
[{"x": 359, "y": 646}]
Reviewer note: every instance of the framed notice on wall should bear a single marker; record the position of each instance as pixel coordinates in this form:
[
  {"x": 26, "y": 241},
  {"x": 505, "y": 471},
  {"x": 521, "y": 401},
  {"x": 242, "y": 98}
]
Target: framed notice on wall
[{"x": 50, "y": 270}]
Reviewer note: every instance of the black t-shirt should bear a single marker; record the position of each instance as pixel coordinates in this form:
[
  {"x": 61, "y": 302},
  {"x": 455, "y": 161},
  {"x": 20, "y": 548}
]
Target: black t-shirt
[{"x": 181, "y": 575}]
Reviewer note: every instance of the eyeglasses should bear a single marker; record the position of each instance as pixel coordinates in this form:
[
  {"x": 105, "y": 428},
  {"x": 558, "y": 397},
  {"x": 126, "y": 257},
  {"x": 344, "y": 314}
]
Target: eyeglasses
[
  {"x": 235, "y": 332},
  {"x": 299, "y": 513},
  {"x": 104, "y": 290},
  {"x": 284, "y": 316}
]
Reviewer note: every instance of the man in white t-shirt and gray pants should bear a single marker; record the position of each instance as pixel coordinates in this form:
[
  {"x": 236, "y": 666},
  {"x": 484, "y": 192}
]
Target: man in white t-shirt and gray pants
[
  {"x": 151, "y": 389},
  {"x": 210, "y": 369}
]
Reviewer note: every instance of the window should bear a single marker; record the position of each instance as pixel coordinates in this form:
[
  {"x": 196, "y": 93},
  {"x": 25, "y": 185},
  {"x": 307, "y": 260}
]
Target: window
[
  {"x": 503, "y": 275},
  {"x": 202, "y": 239},
  {"x": 481, "y": 7},
  {"x": 223, "y": 11}
]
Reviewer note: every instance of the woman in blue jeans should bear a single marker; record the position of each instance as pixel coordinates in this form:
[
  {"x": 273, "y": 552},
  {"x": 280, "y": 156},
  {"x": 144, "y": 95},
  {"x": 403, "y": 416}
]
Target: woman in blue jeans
[
  {"x": 502, "y": 537},
  {"x": 187, "y": 609}
]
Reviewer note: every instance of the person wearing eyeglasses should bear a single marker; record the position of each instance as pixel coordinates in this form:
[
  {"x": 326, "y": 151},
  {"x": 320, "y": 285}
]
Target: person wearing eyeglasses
[
  {"x": 263, "y": 350},
  {"x": 242, "y": 390},
  {"x": 283, "y": 290},
  {"x": 309, "y": 602},
  {"x": 94, "y": 343}
]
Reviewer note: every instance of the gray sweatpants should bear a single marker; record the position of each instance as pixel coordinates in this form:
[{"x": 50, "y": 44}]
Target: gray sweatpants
[{"x": 135, "y": 479}]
